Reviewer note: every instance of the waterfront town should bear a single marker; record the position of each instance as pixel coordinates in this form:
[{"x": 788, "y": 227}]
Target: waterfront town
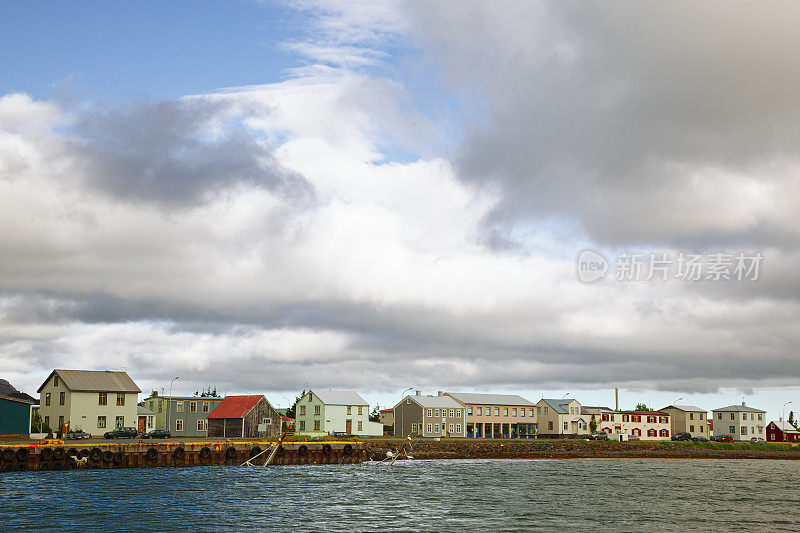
[{"x": 104, "y": 403}]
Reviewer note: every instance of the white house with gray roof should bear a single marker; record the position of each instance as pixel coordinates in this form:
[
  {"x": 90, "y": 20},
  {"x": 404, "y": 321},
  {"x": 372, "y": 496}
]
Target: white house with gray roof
[
  {"x": 561, "y": 417},
  {"x": 322, "y": 412},
  {"x": 429, "y": 416},
  {"x": 497, "y": 415},
  {"x": 740, "y": 422}
]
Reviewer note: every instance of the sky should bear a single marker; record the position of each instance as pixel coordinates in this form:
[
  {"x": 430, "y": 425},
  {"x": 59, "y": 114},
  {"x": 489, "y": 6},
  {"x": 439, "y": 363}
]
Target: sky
[{"x": 264, "y": 197}]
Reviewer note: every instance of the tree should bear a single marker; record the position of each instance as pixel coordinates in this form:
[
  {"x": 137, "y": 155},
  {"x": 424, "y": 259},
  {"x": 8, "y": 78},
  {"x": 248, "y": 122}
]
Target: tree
[
  {"x": 37, "y": 426},
  {"x": 290, "y": 412},
  {"x": 208, "y": 393},
  {"x": 593, "y": 425},
  {"x": 375, "y": 415},
  {"x": 642, "y": 407},
  {"x": 791, "y": 419}
]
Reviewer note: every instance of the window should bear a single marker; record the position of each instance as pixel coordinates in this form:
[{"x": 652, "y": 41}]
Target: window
[
  {"x": 665, "y": 433},
  {"x": 408, "y": 401},
  {"x": 566, "y": 426},
  {"x": 302, "y": 410},
  {"x": 545, "y": 409},
  {"x": 731, "y": 416},
  {"x": 430, "y": 412},
  {"x": 636, "y": 432},
  {"x": 302, "y": 424},
  {"x": 691, "y": 429},
  {"x": 496, "y": 411},
  {"x": 605, "y": 417},
  {"x": 452, "y": 413},
  {"x": 702, "y": 416},
  {"x": 522, "y": 412},
  {"x": 160, "y": 406},
  {"x": 47, "y": 421},
  {"x": 120, "y": 421},
  {"x": 732, "y": 429},
  {"x": 429, "y": 428},
  {"x": 550, "y": 425},
  {"x": 435, "y": 412},
  {"x": 205, "y": 407},
  {"x": 413, "y": 427},
  {"x": 505, "y": 411},
  {"x": 691, "y": 416},
  {"x": 55, "y": 380},
  {"x": 201, "y": 424},
  {"x": 451, "y": 427},
  {"x": 636, "y": 418},
  {"x": 317, "y": 409},
  {"x": 192, "y": 407},
  {"x": 102, "y": 398},
  {"x": 47, "y": 399},
  {"x": 651, "y": 420},
  {"x": 744, "y": 430},
  {"x": 310, "y": 396},
  {"x": 316, "y": 425},
  {"x": 458, "y": 413},
  {"x": 360, "y": 425},
  {"x": 626, "y": 418},
  {"x": 101, "y": 421},
  {"x": 120, "y": 398},
  {"x": 179, "y": 407},
  {"x": 719, "y": 416},
  {"x": 531, "y": 413},
  {"x": 651, "y": 432},
  {"x": 759, "y": 417},
  {"x": 349, "y": 410},
  {"x": 179, "y": 424},
  {"x": 469, "y": 410},
  {"x": 514, "y": 411},
  {"x": 488, "y": 411},
  {"x": 266, "y": 420},
  {"x": 761, "y": 429},
  {"x": 458, "y": 428},
  {"x": 60, "y": 422},
  {"x": 61, "y": 398},
  {"x": 436, "y": 428},
  {"x": 478, "y": 411},
  {"x": 701, "y": 429},
  {"x": 360, "y": 410}
]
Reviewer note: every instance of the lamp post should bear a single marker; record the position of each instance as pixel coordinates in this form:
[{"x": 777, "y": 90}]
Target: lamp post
[
  {"x": 169, "y": 400},
  {"x": 676, "y": 401},
  {"x": 783, "y": 420},
  {"x": 402, "y": 413}
]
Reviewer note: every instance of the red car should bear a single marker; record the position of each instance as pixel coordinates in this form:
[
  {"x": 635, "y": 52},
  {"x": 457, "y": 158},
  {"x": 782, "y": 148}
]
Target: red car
[{"x": 723, "y": 438}]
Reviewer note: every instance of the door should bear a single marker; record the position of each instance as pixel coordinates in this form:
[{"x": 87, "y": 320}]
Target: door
[
  {"x": 349, "y": 426},
  {"x": 141, "y": 424}
]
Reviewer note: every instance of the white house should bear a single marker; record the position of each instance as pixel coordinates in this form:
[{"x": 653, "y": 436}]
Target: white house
[
  {"x": 740, "y": 422},
  {"x": 322, "y": 412}
]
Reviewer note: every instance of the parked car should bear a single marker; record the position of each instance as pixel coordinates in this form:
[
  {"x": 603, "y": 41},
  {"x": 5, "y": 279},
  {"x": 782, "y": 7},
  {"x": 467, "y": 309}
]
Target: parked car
[
  {"x": 600, "y": 435},
  {"x": 699, "y": 439},
  {"x": 122, "y": 433},
  {"x": 756, "y": 439},
  {"x": 157, "y": 434},
  {"x": 76, "y": 435},
  {"x": 723, "y": 438},
  {"x": 340, "y": 434},
  {"x": 682, "y": 436}
]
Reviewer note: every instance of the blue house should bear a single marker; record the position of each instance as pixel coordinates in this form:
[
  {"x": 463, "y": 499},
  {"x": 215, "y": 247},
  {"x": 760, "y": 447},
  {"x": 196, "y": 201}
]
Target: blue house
[{"x": 15, "y": 415}]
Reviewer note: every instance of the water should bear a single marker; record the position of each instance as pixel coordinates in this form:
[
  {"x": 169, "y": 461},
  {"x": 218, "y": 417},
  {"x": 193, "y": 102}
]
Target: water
[{"x": 490, "y": 495}]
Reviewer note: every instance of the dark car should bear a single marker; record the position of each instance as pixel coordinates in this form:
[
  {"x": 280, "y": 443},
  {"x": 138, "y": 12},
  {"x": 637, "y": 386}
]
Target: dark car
[
  {"x": 682, "y": 437},
  {"x": 75, "y": 435},
  {"x": 157, "y": 434},
  {"x": 699, "y": 439},
  {"x": 122, "y": 433}
]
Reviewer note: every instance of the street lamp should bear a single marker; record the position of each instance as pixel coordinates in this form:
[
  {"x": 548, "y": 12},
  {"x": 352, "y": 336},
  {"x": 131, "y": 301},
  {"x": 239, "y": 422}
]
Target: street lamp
[
  {"x": 565, "y": 395},
  {"x": 676, "y": 401},
  {"x": 783, "y": 420},
  {"x": 169, "y": 400},
  {"x": 402, "y": 412}
]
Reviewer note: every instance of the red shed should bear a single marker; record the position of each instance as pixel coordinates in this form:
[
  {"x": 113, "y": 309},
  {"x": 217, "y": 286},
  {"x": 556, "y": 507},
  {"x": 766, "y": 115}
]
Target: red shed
[
  {"x": 782, "y": 432},
  {"x": 244, "y": 417}
]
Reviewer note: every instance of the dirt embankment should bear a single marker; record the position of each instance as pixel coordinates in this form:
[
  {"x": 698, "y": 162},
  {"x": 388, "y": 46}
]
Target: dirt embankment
[{"x": 575, "y": 449}]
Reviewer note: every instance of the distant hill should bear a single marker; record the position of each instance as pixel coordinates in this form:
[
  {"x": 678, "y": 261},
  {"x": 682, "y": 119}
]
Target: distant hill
[{"x": 7, "y": 389}]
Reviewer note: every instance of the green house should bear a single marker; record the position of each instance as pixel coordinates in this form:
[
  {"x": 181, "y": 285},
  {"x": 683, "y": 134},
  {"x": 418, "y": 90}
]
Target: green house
[{"x": 15, "y": 416}]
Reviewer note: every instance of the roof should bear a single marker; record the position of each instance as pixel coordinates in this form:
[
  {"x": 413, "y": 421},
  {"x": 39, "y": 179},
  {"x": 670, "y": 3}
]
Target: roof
[
  {"x": 647, "y": 413},
  {"x": 557, "y": 404},
  {"x": 688, "y": 408},
  {"x": 143, "y": 411},
  {"x": 785, "y": 426},
  {"x": 235, "y": 406},
  {"x": 185, "y": 398},
  {"x": 20, "y": 400},
  {"x": 492, "y": 399},
  {"x": 596, "y": 407},
  {"x": 744, "y": 408},
  {"x": 386, "y": 410},
  {"x": 339, "y": 397},
  {"x": 435, "y": 401},
  {"x": 94, "y": 381}
]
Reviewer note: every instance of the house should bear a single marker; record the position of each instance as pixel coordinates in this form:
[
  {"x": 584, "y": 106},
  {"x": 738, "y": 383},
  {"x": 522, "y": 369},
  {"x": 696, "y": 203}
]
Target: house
[
  {"x": 740, "y": 422},
  {"x": 182, "y": 416},
  {"x": 687, "y": 419},
  {"x": 15, "y": 415},
  {"x": 642, "y": 425},
  {"x": 245, "y": 417},
  {"x": 429, "y": 416},
  {"x": 782, "y": 431},
  {"x": 386, "y": 417},
  {"x": 94, "y": 401},
  {"x": 146, "y": 419},
  {"x": 322, "y": 412},
  {"x": 561, "y": 418},
  {"x": 497, "y": 415},
  {"x": 287, "y": 422},
  {"x": 593, "y": 412}
]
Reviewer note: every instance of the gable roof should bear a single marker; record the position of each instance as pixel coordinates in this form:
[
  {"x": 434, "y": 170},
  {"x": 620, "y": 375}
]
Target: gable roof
[
  {"x": 94, "y": 381},
  {"x": 785, "y": 426},
  {"x": 558, "y": 404},
  {"x": 687, "y": 408},
  {"x": 143, "y": 411},
  {"x": 644, "y": 413},
  {"x": 20, "y": 400},
  {"x": 493, "y": 399},
  {"x": 743, "y": 408},
  {"x": 434, "y": 402},
  {"x": 339, "y": 397},
  {"x": 235, "y": 406}
]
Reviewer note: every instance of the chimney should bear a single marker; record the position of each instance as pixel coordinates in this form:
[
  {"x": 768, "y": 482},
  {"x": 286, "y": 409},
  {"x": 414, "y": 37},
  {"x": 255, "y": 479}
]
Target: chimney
[
  {"x": 155, "y": 393},
  {"x": 616, "y": 398},
  {"x": 743, "y": 404},
  {"x": 418, "y": 392},
  {"x": 440, "y": 393}
]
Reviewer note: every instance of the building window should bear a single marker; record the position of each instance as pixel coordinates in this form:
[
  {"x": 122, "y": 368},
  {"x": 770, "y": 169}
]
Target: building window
[
  {"x": 513, "y": 411},
  {"x": 47, "y": 421},
  {"x": 759, "y": 417},
  {"x": 691, "y": 429},
  {"x": 435, "y": 412},
  {"x": 101, "y": 421},
  {"x": 310, "y": 396},
  {"x": 531, "y": 413},
  {"x": 120, "y": 398},
  {"x": 430, "y": 412},
  {"x": 60, "y": 422},
  {"x": 55, "y": 380},
  {"x": 452, "y": 427},
  {"x": 691, "y": 416},
  {"x": 61, "y": 398},
  {"x": 566, "y": 427},
  {"x": 408, "y": 401},
  {"x": 205, "y": 407},
  {"x": 349, "y": 410},
  {"x": 545, "y": 410},
  {"x": 160, "y": 406},
  {"x": 452, "y": 413},
  {"x": 626, "y": 418},
  {"x": 317, "y": 409},
  {"x": 469, "y": 410},
  {"x": 120, "y": 421},
  {"x": 732, "y": 430},
  {"x": 179, "y": 407},
  {"x": 179, "y": 424},
  {"x": 102, "y": 398},
  {"x": 360, "y": 425},
  {"x": 744, "y": 430},
  {"x": 522, "y": 412},
  {"x": 496, "y": 411},
  {"x": 414, "y": 427},
  {"x": 201, "y": 424},
  {"x": 458, "y": 428},
  {"x": 550, "y": 425},
  {"x": 719, "y": 416},
  {"x": 436, "y": 428},
  {"x": 505, "y": 411},
  {"x": 316, "y": 425},
  {"x": 192, "y": 407},
  {"x": 302, "y": 410},
  {"x": 267, "y": 421},
  {"x": 430, "y": 428},
  {"x": 302, "y": 424},
  {"x": 651, "y": 432},
  {"x": 701, "y": 429},
  {"x": 47, "y": 399},
  {"x": 665, "y": 433},
  {"x": 458, "y": 413},
  {"x": 360, "y": 410},
  {"x": 761, "y": 429},
  {"x": 478, "y": 411},
  {"x": 732, "y": 416}
]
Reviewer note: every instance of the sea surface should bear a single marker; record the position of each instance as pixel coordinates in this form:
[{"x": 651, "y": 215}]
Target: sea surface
[{"x": 460, "y": 495}]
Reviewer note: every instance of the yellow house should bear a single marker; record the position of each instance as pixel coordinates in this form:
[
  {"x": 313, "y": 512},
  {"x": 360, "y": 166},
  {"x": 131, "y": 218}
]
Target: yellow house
[{"x": 94, "y": 401}]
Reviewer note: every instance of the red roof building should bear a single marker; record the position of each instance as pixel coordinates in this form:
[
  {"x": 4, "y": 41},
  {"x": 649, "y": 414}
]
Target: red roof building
[
  {"x": 782, "y": 431},
  {"x": 246, "y": 417}
]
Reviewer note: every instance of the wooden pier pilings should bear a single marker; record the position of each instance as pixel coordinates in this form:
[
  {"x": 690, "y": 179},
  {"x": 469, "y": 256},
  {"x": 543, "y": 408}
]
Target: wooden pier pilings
[{"x": 144, "y": 454}]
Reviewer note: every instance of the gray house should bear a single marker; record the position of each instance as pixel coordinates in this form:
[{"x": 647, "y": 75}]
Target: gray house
[
  {"x": 429, "y": 416},
  {"x": 245, "y": 417},
  {"x": 182, "y": 416}
]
